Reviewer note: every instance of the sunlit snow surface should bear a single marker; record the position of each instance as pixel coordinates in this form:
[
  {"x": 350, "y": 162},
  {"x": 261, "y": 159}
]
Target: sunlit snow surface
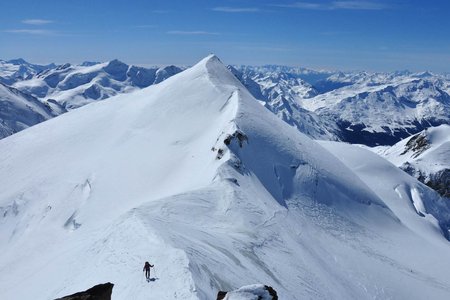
[
  {"x": 432, "y": 157},
  {"x": 89, "y": 196}
]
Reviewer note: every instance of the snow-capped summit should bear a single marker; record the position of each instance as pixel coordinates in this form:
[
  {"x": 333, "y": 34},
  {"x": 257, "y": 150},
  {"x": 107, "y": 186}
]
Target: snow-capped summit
[
  {"x": 195, "y": 176},
  {"x": 15, "y": 70}
]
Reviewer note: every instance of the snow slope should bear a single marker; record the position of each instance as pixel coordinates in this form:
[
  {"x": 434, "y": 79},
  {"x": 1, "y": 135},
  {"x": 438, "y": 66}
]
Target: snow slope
[
  {"x": 399, "y": 190},
  {"x": 198, "y": 178}
]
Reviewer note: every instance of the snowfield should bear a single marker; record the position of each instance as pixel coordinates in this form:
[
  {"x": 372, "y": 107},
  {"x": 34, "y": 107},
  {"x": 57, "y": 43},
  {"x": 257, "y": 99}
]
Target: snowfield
[{"x": 199, "y": 179}]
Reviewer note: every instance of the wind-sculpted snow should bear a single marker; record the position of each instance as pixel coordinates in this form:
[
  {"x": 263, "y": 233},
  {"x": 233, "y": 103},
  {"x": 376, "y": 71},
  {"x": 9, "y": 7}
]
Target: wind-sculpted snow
[{"x": 196, "y": 177}]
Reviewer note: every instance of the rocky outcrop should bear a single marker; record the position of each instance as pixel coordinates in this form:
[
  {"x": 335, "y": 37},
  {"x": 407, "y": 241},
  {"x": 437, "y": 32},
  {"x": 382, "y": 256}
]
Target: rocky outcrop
[
  {"x": 417, "y": 144},
  {"x": 238, "y": 135},
  {"x": 438, "y": 181},
  {"x": 263, "y": 292},
  {"x": 98, "y": 292}
]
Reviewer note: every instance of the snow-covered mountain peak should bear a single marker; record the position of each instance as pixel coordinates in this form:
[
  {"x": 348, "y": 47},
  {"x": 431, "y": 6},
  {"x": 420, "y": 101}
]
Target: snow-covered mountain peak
[
  {"x": 212, "y": 64},
  {"x": 17, "y": 61},
  {"x": 210, "y": 59},
  {"x": 117, "y": 69},
  {"x": 196, "y": 176},
  {"x": 212, "y": 67}
]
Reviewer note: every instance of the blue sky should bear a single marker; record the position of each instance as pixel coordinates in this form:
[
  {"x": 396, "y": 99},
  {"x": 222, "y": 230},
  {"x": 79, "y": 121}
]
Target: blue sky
[{"x": 366, "y": 35}]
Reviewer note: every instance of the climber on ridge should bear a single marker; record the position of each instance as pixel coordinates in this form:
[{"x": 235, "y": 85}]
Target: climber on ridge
[{"x": 146, "y": 268}]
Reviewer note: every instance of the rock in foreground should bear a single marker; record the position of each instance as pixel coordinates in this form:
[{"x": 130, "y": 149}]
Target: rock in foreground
[
  {"x": 250, "y": 292},
  {"x": 99, "y": 292}
]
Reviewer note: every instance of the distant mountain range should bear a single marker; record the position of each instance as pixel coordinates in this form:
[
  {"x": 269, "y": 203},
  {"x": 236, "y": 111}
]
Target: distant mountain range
[
  {"x": 368, "y": 108},
  {"x": 356, "y": 107}
]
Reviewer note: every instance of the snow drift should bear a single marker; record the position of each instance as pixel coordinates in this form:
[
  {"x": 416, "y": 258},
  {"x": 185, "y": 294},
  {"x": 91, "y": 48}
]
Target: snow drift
[{"x": 198, "y": 178}]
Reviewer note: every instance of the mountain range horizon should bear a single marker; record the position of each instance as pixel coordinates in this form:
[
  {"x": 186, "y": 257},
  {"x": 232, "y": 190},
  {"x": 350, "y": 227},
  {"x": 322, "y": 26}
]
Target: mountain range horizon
[{"x": 87, "y": 62}]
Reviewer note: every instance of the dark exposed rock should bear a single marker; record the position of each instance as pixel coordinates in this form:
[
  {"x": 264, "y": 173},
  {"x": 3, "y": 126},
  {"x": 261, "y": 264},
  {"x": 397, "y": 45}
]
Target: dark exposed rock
[
  {"x": 417, "y": 144},
  {"x": 241, "y": 137},
  {"x": 98, "y": 292},
  {"x": 439, "y": 181},
  {"x": 219, "y": 154},
  {"x": 221, "y": 294}
]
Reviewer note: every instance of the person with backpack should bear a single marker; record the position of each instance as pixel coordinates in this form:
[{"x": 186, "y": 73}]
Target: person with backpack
[{"x": 146, "y": 268}]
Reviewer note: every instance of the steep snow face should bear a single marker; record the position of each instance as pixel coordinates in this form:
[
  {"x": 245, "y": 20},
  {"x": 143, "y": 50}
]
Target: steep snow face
[
  {"x": 198, "y": 178},
  {"x": 76, "y": 85},
  {"x": 424, "y": 156},
  {"x": 19, "y": 111}
]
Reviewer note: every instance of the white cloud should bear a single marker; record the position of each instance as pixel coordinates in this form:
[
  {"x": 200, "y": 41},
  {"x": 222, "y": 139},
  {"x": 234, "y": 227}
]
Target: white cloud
[
  {"x": 36, "y": 21},
  {"x": 236, "y": 9},
  {"x": 31, "y": 31},
  {"x": 358, "y": 5}
]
